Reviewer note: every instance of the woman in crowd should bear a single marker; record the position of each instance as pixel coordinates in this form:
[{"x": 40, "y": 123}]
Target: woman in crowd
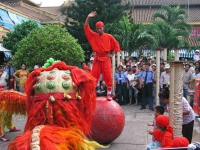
[{"x": 22, "y": 76}]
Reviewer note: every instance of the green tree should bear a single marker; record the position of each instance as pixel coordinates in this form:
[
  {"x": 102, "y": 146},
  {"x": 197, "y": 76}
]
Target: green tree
[
  {"x": 175, "y": 17},
  {"x": 131, "y": 36},
  {"x": 122, "y": 32},
  {"x": 143, "y": 39},
  {"x": 165, "y": 35},
  {"x": 108, "y": 11},
  {"x": 45, "y": 42},
  {"x": 12, "y": 39}
]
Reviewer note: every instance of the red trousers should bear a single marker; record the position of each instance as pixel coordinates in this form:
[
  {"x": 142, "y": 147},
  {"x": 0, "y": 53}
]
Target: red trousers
[{"x": 102, "y": 66}]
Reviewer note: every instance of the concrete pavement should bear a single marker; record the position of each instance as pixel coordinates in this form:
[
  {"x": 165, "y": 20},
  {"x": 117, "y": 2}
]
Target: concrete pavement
[{"x": 133, "y": 137}]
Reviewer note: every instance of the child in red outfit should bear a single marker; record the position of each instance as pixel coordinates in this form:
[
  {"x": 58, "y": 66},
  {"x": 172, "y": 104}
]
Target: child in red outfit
[
  {"x": 164, "y": 133},
  {"x": 180, "y": 142}
]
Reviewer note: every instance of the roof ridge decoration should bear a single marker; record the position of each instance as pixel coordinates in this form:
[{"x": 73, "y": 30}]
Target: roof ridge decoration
[{"x": 35, "y": 3}]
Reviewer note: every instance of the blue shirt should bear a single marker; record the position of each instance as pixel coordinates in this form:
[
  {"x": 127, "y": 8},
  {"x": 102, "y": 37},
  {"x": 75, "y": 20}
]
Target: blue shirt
[
  {"x": 12, "y": 70},
  {"x": 150, "y": 76},
  {"x": 126, "y": 73},
  {"x": 122, "y": 78}
]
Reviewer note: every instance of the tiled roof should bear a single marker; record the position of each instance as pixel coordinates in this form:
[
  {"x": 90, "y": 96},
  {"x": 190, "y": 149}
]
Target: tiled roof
[
  {"x": 8, "y": 7},
  {"x": 194, "y": 14},
  {"x": 145, "y": 14},
  {"x": 192, "y": 41},
  {"x": 17, "y": 2},
  {"x": 32, "y": 13},
  {"x": 56, "y": 11},
  {"x": 162, "y": 2}
]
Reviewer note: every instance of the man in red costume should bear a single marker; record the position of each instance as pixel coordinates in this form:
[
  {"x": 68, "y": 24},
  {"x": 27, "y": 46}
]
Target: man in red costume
[{"x": 105, "y": 45}]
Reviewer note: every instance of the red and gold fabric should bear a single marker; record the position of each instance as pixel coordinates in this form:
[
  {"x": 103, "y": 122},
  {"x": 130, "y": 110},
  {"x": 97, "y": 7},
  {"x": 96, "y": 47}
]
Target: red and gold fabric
[
  {"x": 102, "y": 45},
  {"x": 60, "y": 102}
]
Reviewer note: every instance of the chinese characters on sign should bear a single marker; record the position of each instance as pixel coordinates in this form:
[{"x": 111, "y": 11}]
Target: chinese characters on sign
[{"x": 195, "y": 32}]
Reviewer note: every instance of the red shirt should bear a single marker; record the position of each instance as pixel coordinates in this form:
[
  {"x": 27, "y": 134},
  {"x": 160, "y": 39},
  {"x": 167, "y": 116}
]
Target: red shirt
[
  {"x": 101, "y": 44},
  {"x": 166, "y": 138}
]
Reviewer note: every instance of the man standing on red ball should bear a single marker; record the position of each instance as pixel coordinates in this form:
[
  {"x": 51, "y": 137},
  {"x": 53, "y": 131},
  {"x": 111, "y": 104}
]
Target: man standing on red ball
[{"x": 105, "y": 45}]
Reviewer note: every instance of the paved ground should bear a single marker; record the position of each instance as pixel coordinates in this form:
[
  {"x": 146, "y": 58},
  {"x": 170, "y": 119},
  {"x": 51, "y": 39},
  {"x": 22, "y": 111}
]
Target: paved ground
[{"x": 133, "y": 137}]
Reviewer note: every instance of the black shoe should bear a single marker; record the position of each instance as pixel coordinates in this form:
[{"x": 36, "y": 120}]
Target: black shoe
[{"x": 142, "y": 108}]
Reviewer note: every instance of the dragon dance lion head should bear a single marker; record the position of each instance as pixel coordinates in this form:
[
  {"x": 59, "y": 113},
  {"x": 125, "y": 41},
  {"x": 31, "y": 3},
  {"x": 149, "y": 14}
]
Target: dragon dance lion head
[
  {"x": 60, "y": 102},
  {"x": 61, "y": 95}
]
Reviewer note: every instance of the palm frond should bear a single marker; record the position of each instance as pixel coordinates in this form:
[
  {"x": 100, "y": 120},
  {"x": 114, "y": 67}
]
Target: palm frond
[{"x": 159, "y": 16}]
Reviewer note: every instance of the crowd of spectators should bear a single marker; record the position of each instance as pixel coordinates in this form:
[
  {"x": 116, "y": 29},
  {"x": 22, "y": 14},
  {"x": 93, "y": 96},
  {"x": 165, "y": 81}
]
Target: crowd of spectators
[
  {"x": 135, "y": 79},
  {"x": 142, "y": 74},
  {"x": 12, "y": 79}
]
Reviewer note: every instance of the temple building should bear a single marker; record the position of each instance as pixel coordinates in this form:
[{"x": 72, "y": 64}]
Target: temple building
[
  {"x": 143, "y": 10},
  {"x": 12, "y": 12}
]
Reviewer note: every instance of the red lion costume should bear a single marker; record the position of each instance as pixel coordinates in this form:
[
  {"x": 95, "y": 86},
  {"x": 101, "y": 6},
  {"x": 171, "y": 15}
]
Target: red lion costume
[{"x": 60, "y": 102}]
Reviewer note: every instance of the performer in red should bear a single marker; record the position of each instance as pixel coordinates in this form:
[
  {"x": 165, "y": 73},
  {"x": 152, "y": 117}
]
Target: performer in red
[{"x": 105, "y": 45}]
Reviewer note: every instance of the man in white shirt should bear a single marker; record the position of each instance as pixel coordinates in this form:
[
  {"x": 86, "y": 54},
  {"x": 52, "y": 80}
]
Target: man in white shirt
[
  {"x": 3, "y": 77},
  {"x": 187, "y": 76},
  {"x": 165, "y": 77},
  {"x": 188, "y": 115},
  {"x": 196, "y": 56},
  {"x": 192, "y": 68}
]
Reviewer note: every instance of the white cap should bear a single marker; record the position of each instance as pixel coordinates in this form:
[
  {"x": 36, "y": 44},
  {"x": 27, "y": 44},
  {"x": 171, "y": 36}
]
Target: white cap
[
  {"x": 154, "y": 65},
  {"x": 92, "y": 58},
  {"x": 197, "y": 50},
  {"x": 167, "y": 66},
  {"x": 36, "y": 66}
]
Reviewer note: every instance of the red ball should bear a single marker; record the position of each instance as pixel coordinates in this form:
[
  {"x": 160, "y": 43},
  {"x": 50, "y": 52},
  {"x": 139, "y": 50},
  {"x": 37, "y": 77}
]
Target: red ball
[{"x": 107, "y": 122}]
